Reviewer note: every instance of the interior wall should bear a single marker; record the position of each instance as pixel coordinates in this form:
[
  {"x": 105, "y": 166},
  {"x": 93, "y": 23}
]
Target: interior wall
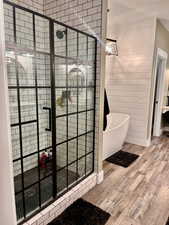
[
  {"x": 36, "y": 5},
  {"x": 128, "y": 76}
]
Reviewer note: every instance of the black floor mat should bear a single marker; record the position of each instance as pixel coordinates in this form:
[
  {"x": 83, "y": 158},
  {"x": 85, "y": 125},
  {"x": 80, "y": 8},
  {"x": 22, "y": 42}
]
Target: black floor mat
[
  {"x": 82, "y": 213},
  {"x": 122, "y": 158},
  {"x": 167, "y": 222}
]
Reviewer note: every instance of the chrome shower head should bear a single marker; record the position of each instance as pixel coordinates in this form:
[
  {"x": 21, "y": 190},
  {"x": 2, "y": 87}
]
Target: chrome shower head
[{"x": 60, "y": 34}]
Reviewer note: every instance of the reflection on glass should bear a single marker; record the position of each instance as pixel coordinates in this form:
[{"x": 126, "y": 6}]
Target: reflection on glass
[
  {"x": 61, "y": 133},
  {"x": 72, "y": 173},
  {"x": 29, "y": 135},
  {"x": 60, "y": 39},
  {"x": 81, "y": 167},
  {"x": 19, "y": 206},
  {"x": 24, "y": 31},
  {"x": 15, "y": 142},
  {"x": 17, "y": 176},
  {"x": 61, "y": 156},
  {"x": 81, "y": 146},
  {"x": 72, "y": 151},
  {"x": 30, "y": 167},
  {"x": 89, "y": 163},
  {"x": 42, "y": 34},
  {"x": 72, "y": 43},
  {"x": 46, "y": 190},
  {"x": 32, "y": 199},
  {"x": 72, "y": 126}
]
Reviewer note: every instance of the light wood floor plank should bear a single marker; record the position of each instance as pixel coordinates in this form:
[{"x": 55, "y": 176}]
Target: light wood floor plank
[{"x": 139, "y": 194}]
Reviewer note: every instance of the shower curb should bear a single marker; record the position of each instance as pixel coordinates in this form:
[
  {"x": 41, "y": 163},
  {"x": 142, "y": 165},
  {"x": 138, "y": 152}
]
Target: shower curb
[{"x": 57, "y": 207}]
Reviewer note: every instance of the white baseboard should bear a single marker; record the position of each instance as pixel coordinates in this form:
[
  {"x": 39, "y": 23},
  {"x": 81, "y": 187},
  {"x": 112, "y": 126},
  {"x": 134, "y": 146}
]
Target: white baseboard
[
  {"x": 142, "y": 142},
  {"x": 100, "y": 177}
]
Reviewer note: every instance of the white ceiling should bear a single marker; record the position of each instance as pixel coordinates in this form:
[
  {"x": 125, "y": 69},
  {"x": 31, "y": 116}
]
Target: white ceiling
[{"x": 129, "y": 10}]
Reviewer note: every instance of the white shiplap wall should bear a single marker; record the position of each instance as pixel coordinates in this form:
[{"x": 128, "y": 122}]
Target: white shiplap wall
[{"x": 128, "y": 76}]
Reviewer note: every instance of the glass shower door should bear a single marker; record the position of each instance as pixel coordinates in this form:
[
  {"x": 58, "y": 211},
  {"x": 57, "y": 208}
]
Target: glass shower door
[{"x": 51, "y": 80}]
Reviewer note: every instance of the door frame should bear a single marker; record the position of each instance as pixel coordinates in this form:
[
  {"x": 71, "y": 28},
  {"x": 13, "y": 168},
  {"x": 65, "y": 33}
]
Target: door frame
[{"x": 157, "y": 111}]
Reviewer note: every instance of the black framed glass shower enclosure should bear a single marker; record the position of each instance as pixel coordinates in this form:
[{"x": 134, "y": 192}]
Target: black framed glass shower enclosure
[{"x": 51, "y": 71}]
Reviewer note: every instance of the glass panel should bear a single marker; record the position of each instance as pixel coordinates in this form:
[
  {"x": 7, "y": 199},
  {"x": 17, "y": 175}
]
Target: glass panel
[
  {"x": 43, "y": 70},
  {"x": 90, "y": 98},
  {"x": 8, "y": 19},
  {"x": 19, "y": 206},
  {"x": 61, "y": 156},
  {"x": 72, "y": 151},
  {"x": 60, "y": 72},
  {"x": 82, "y": 54},
  {"x": 17, "y": 176},
  {"x": 82, "y": 99},
  {"x": 81, "y": 146},
  {"x": 72, "y": 101},
  {"x": 25, "y": 66},
  {"x": 61, "y": 101},
  {"x": 13, "y": 103},
  {"x": 90, "y": 118},
  {"x": 72, "y": 173},
  {"x": 30, "y": 167},
  {"x": 28, "y": 104},
  {"x": 89, "y": 163},
  {"x": 15, "y": 142},
  {"x": 29, "y": 138},
  {"x": 32, "y": 199},
  {"x": 89, "y": 147},
  {"x": 72, "y": 43},
  {"x": 44, "y": 100},
  {"x": 24, "y": 28},
  {"x": 73, "y": 81},
  {"x": 61, "y": 180},
  {"x": 11, "y": 67},
  {"x": 61, "y": 129},
  {"x": 46, "y": 190},
  {"x": 60, "y": 39},
  {"x": 91, "y": 49},
  {"x": 82, "y": 123},
  {"x": 90, "y": 74},
  {"x": 42, "y": 34},
  {"x": 72, "y": 126},
  {"x": 81, "y": 167}
]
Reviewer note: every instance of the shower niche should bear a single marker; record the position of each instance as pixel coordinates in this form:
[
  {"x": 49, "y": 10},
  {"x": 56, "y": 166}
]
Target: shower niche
[{"x": 51, "y": 72}]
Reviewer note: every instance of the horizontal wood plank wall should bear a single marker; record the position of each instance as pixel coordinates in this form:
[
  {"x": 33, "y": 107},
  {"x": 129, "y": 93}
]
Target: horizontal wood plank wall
[{"x": 128, "y": 76}]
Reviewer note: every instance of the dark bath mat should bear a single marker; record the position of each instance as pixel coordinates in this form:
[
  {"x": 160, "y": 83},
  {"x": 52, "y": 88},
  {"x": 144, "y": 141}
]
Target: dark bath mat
[
  {"x": 82, "y": 213},
  {"x": 122, "y": 158},
  {"x": 167, "y": 222}
]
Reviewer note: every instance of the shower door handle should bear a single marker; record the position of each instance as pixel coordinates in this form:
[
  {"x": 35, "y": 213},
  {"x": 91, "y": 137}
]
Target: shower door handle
[{"x": 50, "y": 119}]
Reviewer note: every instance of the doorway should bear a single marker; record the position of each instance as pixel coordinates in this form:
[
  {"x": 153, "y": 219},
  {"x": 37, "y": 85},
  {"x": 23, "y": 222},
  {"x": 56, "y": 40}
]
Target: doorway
[{"x": 160, "y": 80}]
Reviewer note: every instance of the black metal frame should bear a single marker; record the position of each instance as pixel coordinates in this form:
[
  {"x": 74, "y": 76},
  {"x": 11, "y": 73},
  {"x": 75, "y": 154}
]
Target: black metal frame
[{"x": 52, "y": 111}]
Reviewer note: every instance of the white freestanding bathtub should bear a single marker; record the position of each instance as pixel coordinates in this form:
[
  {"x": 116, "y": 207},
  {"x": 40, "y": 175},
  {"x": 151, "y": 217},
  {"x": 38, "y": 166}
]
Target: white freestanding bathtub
[{"x": 115, "y": 133}]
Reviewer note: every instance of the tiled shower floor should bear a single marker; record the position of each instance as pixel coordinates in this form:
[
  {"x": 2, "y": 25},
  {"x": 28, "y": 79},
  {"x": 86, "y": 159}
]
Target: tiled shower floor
[{"x": 32, "y": 193}]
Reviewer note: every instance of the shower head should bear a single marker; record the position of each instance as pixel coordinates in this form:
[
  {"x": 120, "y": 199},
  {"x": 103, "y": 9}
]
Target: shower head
[{"x": 60, "y": 34}]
